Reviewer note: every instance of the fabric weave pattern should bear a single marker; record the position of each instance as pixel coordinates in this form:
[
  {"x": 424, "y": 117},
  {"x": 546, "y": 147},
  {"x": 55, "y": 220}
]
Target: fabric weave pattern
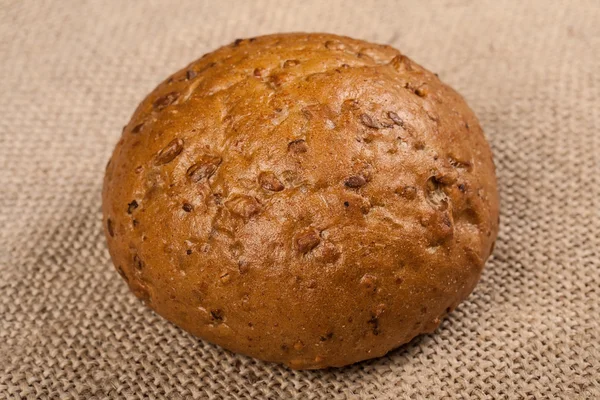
[{"x": 74, "y": 71}]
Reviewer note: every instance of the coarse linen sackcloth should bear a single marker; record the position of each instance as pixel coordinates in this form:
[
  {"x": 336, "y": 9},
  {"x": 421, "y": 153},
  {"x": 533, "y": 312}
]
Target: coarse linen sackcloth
[{"x": 72, "y": 73}]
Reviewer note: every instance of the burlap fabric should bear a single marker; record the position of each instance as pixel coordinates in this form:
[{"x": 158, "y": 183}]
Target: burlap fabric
[{"x": 71, "y": 74}]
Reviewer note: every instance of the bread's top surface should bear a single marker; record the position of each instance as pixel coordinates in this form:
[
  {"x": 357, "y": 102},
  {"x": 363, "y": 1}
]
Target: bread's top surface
[{"x": 302, "y": 198}]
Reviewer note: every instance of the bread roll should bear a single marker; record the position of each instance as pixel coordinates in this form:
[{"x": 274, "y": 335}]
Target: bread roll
[{"x": 307, "y": 199}]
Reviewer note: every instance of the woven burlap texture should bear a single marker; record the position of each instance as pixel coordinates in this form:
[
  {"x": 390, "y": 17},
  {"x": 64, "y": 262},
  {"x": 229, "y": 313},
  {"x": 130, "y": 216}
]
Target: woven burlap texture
[{"x": 72, "y": 73}]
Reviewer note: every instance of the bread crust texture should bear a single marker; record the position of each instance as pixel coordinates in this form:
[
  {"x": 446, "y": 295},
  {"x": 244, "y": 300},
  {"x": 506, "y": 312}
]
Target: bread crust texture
[{"x": 306, "y": 199}]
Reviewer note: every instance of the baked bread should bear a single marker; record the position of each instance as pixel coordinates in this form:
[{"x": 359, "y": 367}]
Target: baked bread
[{"x": 307, "y": 199}]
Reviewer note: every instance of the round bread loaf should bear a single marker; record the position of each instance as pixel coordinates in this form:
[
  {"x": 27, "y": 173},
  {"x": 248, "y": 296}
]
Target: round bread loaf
[{"x": 307, "y": 199}]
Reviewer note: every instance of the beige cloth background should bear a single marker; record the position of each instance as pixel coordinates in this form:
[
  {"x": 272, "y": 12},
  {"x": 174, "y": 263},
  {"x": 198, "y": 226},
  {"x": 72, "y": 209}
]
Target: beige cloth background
[{"x": 71, "y": 74}]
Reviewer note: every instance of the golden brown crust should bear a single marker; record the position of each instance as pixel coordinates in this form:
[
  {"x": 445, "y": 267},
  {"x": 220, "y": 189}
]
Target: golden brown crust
[{"x": 307, "y": 199}]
